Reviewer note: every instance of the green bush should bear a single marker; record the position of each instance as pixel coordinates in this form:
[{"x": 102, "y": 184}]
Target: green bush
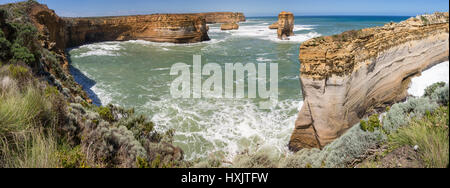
[
  {"x": 72, "y": 158},
  {"x": 105, "y": 113},
  {"x": 431, "y": 89},
  {"x": 21, "y": 54}
]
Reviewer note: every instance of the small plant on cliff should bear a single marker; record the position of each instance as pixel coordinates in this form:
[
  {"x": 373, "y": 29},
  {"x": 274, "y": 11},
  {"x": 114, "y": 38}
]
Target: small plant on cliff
[
  {"x": 372, "y": 124},
  {"x": 424, "y": 20},
  {"x": 105, "y": 113}
]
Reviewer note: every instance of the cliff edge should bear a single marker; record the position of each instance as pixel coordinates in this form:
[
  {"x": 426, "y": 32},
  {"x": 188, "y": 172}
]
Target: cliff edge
[
  {"x": 174, "y": 28},
  {"x": 70, "y": 32},
  {"x": 222, "y": 17},
  {"x": 345, "y": 76}
]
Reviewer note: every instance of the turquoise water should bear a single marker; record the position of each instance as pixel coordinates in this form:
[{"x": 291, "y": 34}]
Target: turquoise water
[{"x": 136, "y": 74}]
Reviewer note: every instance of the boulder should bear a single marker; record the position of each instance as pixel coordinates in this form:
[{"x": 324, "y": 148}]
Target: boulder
[
  {"x": 229, "y": 26},
  {"x": 274, "y": 26}
]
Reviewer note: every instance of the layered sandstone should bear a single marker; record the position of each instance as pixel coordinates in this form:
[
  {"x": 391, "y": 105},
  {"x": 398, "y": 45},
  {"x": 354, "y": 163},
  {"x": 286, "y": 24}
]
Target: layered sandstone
[
  {"x": 345, "y": 76},
  {"x": 223, "y": 17},
  {"x": 175, "y": 28},
  {"x": 285, "y": 25},
  {"x": 70, "y": 32},
  {"x": 229, "y": 26}
]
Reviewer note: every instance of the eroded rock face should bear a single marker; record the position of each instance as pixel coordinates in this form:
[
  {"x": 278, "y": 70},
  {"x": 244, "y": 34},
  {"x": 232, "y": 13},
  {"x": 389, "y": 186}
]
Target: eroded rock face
[
  {"x": 345, "y": 76},
  {"x": 50, "y": 25},
  {"x": 285, "y": 25},
  {"x": 223, "y": 17},
  {"x": 70, "y": 32},
  {"x": 229, "y": 26},
  {"x": 175, "y": 28}
]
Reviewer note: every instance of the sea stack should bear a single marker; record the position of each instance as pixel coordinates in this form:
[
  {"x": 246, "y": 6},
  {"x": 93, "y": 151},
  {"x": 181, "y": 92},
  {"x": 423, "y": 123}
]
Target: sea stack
[
  {"x": 285, "y": 25},
  {"x": 229, "y": 26},
  {"x": 346, "y": 76}
]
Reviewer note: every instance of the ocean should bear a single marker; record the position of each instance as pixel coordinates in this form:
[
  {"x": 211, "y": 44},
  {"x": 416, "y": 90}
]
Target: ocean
[{"x": 136, "y": 74}]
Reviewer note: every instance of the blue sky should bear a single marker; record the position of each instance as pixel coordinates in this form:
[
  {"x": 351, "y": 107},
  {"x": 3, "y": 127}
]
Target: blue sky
[{"x": 249, "y": 7}]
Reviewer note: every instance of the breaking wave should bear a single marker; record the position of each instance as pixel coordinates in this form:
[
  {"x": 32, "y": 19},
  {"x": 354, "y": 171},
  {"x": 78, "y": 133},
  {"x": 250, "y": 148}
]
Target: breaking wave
[{"x": 437, "y": 73}]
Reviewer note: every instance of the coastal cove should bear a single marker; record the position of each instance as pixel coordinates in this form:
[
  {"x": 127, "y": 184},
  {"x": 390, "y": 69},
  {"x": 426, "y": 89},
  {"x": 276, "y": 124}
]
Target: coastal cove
[
  {"x": 203, "y": 89},
  {"x": 136, "y": 74}
]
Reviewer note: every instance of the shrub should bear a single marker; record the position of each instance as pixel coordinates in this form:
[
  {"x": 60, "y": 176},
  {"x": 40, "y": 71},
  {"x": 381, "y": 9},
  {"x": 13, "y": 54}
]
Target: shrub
[
  {"x": 72, "y": 157},
  {"x": 105, "y": 113},
  {"x": 431, "y": 89},
  {"x": 401, "y": 113},
  {"x": 21, "y": 54},
  {"x": 441, "y": 95},
  {"x": 372, "y": 124},
  {"x": 142, "y": 163}
]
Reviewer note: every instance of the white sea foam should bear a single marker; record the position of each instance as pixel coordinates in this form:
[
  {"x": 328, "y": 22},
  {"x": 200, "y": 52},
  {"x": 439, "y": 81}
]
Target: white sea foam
[
  {"x": 228, "y": 126},
  {"x": 103, "y": 94},
  {"x": 264, "y": 33},
  {"x": 262, "y": 59},
  {"x": 303, "y": 27},
  {"x": 99, "y": 49},
  {"x": 438, "y": 73}
]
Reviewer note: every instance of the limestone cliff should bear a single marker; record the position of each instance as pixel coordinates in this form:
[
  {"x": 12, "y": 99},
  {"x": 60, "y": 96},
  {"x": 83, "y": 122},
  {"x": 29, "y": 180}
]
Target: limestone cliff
[
  {"x": 70, "y": 32},
  {"x": 223, "y": 17},
  {"x": 285, "y": 25},
  {"x": 175, "y": 28},
  {"x": 345, "y": 76}
]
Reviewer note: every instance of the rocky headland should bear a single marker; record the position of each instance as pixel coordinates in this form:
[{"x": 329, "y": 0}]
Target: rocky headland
[
  {"x": 222, "y": 17},
  {"x": 175, "y": 28},
  {"x": 229, "y": 20},
  {"x": 344, "y": 77}
]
